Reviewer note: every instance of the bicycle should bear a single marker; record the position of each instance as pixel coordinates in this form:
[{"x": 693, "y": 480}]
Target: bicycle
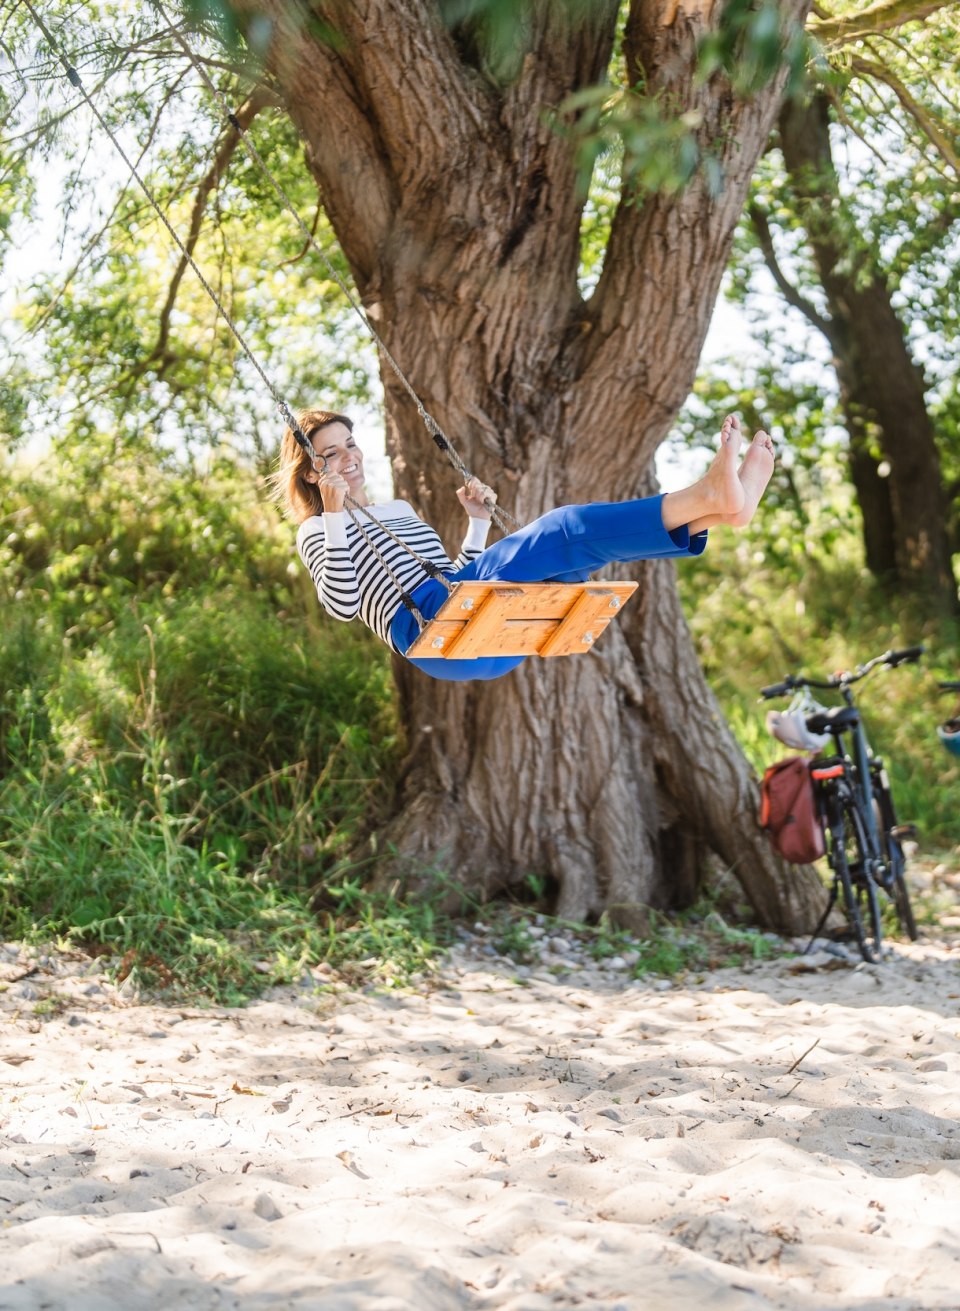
[
  {"x": 949, "y": 731},
  {"x": 864, "y": 841}
]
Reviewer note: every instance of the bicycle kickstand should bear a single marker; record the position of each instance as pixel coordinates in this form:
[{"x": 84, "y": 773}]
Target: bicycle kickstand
[{"x": 823, "y": 919}]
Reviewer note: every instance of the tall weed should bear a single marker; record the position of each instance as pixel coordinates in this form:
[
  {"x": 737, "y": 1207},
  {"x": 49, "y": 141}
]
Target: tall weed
[
  {"x": 185, "y": 753},
  {"x": 754, "y": 620},
  {"x": 189, "y": 753}
]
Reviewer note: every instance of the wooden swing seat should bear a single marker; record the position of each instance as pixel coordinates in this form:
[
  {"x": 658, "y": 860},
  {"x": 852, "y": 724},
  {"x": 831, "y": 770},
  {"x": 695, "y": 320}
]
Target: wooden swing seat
[{"x": 520, "y": 619}]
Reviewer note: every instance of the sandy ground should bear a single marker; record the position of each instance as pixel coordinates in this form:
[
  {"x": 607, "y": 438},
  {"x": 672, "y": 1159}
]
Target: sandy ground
[{"x": 782, "y": 1135}]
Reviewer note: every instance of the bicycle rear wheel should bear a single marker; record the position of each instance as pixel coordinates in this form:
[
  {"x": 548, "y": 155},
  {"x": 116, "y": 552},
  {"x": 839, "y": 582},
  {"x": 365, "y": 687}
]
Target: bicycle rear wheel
[
  {"x": 896, "y": 860},
  {"x": 898, "y": 887},
  {"x": 849, "y": 855}
]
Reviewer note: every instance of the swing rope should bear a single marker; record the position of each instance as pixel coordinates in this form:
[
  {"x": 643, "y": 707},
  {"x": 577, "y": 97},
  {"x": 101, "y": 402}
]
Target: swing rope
[
  {"x": 534, "y": 619},
  {"x": 351, "y": 506},
  {"x": 498, "y": 514},
  {"x": 75, "y": 80}
]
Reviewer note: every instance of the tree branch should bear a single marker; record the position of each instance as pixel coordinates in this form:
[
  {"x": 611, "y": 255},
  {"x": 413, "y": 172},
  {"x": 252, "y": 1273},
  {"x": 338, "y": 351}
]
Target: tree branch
[
  {"x": 304, "y": 249},
  {"x": 878, "y": 17},
  {"x": 924, "y": 120},
  {"x": 90, "y": 243},
  {"x": 840, "y": 110},
  {"x": 312, "y": 54},
  {"x": 921, "y": 72},
  {"x": 761, "y": 226},
  {"x": 691, "y": 227},
  {"x": 231, "y": 139}
]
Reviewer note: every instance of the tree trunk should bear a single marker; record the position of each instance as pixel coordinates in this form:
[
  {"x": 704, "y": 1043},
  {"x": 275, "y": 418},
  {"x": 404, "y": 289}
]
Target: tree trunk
[
  {"x": 608, "y": 775},
  {"x": 872, "y": 492},
  {"x": 905, "y": 520}
]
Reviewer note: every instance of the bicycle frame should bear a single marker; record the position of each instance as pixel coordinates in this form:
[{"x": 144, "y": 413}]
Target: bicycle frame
[
  {"x": 854, "y": 803},
  {"x": 855, "y": 768},
  {"x": 863, "y": 777},
  {"x": 849, "y": 854}
]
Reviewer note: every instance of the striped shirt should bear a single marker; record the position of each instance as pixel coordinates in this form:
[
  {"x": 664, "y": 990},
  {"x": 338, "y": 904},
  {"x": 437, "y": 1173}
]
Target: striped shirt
[{"x": 351, "y": 581}]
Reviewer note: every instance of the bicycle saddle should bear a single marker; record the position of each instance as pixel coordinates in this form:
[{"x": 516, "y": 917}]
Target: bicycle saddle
[{"x": 835, "y": 720}]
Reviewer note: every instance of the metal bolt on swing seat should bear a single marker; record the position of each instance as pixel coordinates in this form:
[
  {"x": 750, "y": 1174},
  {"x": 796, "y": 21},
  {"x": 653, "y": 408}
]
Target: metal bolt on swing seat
[
  {"x": 587, "y": 638},
  {"x": 614, "y": 603},
  {"x": 467, "y": 604},
  {"x": 438, "y": 642}
]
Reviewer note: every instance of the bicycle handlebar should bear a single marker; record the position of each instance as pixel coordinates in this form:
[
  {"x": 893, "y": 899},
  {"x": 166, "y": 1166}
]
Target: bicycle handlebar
[
  {"x": 906, "y": 656},
  {"x": 890, "y": 658},
  {"x": 779, "y": 689}
]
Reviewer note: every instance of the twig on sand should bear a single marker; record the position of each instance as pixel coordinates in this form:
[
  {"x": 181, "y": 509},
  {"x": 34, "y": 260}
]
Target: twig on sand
[
  {"x": 359, "y": 1111},
  {"x": 800, "y": 1058}
]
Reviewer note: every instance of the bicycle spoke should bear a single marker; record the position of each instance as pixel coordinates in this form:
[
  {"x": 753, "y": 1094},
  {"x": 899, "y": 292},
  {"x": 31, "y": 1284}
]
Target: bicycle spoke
[
  {"x": 895, "y": 883},
  {"x": 849, "y": 854}
]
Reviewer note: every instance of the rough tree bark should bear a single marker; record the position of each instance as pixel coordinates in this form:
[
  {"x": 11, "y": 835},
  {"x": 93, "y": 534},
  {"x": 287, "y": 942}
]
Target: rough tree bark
[
  {"x": 457, "y": 207},
  {"x": 882, "y": 394}
]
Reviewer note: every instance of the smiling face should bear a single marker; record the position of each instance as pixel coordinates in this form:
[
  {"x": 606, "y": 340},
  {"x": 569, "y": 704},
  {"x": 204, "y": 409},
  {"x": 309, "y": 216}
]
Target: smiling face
[
  {"x": 339, "y": 453},
  {"x": 297, "y": 481}
]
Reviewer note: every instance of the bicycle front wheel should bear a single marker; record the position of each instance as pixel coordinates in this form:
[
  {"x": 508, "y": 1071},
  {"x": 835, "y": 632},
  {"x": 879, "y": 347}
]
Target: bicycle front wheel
[{"x": 850, "y": 857}]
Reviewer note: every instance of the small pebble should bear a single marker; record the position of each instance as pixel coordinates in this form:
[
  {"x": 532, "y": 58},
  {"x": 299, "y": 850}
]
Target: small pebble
[{"x": 266, "y": 1208}]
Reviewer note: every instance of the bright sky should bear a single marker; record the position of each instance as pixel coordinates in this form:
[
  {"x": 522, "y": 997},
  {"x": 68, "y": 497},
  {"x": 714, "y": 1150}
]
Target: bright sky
[{"x": 38, "y": 247}]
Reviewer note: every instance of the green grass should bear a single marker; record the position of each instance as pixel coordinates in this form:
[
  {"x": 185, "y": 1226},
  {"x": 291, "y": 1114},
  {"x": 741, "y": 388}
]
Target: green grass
[
  {"x": 185, "y": 755},
  {"x": 189, "y": 754},
  {"x": 755, "y": 619},
  {"x": 374, "y": 937},
  {"x": 675, "y": 943}
]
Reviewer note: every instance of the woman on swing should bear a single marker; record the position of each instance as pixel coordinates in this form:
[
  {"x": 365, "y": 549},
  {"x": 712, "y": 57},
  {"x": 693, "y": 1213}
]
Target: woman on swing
[{"x": 565, "y": 545}]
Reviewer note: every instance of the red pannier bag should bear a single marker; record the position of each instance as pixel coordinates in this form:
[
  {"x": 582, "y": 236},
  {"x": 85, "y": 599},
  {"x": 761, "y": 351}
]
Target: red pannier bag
[{"x": 788, "y": 811}]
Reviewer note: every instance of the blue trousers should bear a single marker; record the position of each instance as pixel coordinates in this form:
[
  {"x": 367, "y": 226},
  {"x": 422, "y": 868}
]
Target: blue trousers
[{"x": 563, "y": 546}]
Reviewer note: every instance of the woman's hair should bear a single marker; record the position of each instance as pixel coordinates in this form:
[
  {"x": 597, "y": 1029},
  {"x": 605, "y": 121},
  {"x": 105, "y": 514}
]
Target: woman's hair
[{"x": 298, "y": 498}]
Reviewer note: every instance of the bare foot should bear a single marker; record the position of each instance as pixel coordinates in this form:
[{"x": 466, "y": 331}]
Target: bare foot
[
  {"x": 718, "y": 480},
  {"x": 755, "y": 473},
  {"x": 718, "y": 496}
]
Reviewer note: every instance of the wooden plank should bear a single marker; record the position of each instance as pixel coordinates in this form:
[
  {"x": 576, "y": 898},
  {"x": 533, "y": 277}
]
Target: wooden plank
[
  {"x": 487, "y": 632},
  {"x": 464, "y": 601},
  {"x": 503, "y": 619},
  {"x": 436, "y": 637},
  {"x": 521, "y": 637},
  {"x": 582, "y": 625},
  {"x": 434, "y": 642},
  {"x": 536, "y": 600},
  {"x": 578, "y": 631}
]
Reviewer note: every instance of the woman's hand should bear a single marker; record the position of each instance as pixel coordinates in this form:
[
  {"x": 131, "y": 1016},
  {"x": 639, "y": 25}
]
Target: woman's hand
[
  {"x": 472, "y": 496},
  {"x": 333, "y": 491}
]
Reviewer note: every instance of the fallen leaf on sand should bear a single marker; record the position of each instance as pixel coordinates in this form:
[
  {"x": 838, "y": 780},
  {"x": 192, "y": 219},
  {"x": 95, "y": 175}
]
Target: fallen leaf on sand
[{"x": 348, "y": 1161}]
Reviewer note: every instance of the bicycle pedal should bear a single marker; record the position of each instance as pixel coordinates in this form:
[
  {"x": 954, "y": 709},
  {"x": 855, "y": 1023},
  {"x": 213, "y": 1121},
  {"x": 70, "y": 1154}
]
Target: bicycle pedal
[{"x": 905, "y": 832}]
